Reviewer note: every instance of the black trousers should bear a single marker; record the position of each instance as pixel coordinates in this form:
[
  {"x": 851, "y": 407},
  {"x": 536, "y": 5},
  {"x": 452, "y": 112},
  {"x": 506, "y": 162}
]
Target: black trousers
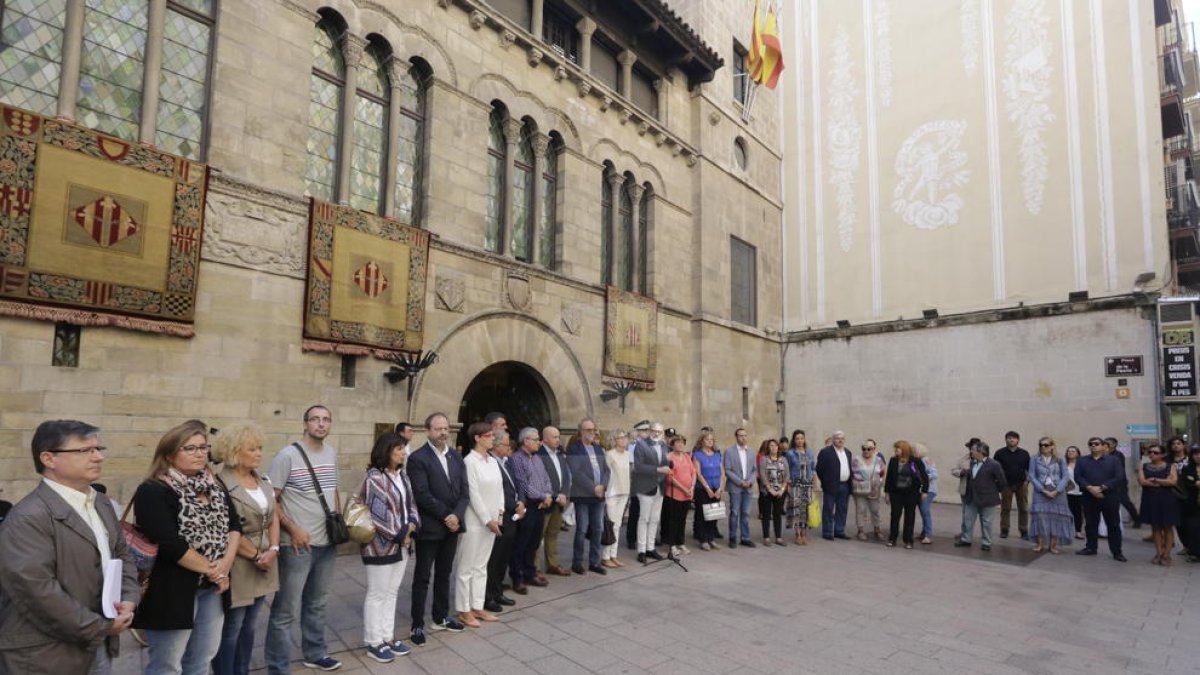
[
  {"x": 1187, "y": 513},
  {"x": 1110, "y": 508},
  {"x": 522, "y": 563},
  {"x": 1191, "y": 524},
  {"x": 1128, "y": 504},
  {"x": 1075, "y": 502},
  {"x": 631, "y": 523},
  {"x": 770, "y": 510},
  {"x": 705, "y": 530},
  {"x": 903, "y": 503},
  {"x": 436, "y": 556},
  {"x": 674, "y": 521},
  {"x": 502, "y": 549}
]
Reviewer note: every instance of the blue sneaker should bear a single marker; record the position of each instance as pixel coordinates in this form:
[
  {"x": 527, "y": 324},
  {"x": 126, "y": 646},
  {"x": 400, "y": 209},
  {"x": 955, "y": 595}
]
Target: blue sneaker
[
  {"x": 417, "y": 637},
  {"x": 324, "y": 663},
  {"x": 399, "y": 648},
  {"x": 382, "y": 653},
  {"x": 449, "y": 623}
]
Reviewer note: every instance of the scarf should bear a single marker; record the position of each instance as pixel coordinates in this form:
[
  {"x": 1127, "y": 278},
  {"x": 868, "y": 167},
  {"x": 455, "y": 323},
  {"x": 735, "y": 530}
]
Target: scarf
[{"x": 203, "y": 525}]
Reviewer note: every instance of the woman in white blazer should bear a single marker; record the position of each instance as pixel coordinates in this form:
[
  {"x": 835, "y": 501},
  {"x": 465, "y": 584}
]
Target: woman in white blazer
[{"x": 484, "y": 517}]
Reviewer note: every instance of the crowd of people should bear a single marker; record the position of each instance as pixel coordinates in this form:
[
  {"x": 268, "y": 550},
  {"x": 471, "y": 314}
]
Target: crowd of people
[{"x": 214, "y": 533}]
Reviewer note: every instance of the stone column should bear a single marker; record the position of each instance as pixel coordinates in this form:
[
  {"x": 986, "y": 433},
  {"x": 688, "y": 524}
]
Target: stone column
[
  {"x": 396, "y": 70},
  {"x": 68, "y": 82},
  {"x": 626, "y": 59},
  {"x": 635, "y": 275},
  {"x": 541, "y": 142},
  {"x": 512, "y": 134},
  {"x": 616, "y": 181},
  {"x": 353, "y": 49},
  {"x": 660, "y": 88},
  {"x": 151, "y": 68},
  {"x": 586, "y": 28},
  {"x": 536, "y": 18}
]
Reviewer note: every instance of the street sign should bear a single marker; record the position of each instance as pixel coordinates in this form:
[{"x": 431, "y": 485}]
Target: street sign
[
  {"x": 1122, "y": 366},
  {"x": 1142, "y": 430}
]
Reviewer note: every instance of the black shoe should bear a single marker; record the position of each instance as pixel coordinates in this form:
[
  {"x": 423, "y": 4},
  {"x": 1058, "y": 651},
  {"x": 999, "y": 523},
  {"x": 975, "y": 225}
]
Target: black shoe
[
  {"x": 841, "y": 536},
  {"x": 733, "y": 543},
  {"x": 417, "y": 637},
  {"x": 747, "y": 543},
  {"x": 493, "y": 606},
  {"x": 1004, "y": 534},
  {"x": 654, "y": 555},
  {"x": 449, "y": 623},
  {"x": 985, "y": 547},
  {"x": 827, "y": 536},
  {"x": 718, "y": 534},
  {"x": 598, "y": 569},
  {"x": 1137, "y": 524},
  {"x": 631, "y": 545},
  {"x": 642, "y": 558},
  {"x": 577, "y": 569},
  {"x": 505, "y": 601},
  {"x": 1120, "y": 558},
  {"x": 1086, "y": 551},
  {"x": 1024, "y": 534},
  {"x": 962, "y": 544}
]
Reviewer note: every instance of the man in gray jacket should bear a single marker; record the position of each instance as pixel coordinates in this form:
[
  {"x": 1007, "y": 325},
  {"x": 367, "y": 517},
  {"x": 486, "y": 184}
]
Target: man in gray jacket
[
  {"x": 57, "y": 543},
  {"x": 650, "y": 466},
  {"x": 984, "y": 485}
]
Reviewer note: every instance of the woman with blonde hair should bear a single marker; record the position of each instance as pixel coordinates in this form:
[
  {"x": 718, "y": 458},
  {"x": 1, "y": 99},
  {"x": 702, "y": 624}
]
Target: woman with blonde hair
[
  {"x": 926, "y": 505},
  {"x": 616, "y": 496},
  {"x": 255, "y": 572},
  {"x": 906, "y": 483},
  {"x": 182, "y": 508},
  {"x": 1050, "y": 518}
]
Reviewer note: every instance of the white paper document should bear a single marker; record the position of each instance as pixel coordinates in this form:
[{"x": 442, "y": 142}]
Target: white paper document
[{"x": 111, "y": 594}]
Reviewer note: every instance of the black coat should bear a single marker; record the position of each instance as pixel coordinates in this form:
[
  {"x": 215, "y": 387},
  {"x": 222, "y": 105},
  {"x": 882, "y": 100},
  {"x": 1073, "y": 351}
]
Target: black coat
[
  {"x": 508, "y": 527},
  {"x": 438, "y": 496},
  {"x": 170, "y": 599},
  {"x": 829, "y": 468},
  {"x": 918, "y": 486}
]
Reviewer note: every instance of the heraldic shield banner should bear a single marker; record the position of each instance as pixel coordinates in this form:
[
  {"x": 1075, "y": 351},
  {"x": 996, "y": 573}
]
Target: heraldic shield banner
[
  {"x": 366, "y": 283},
  {"x": 95, "y": 230},
  {"x": 631, "y": 337}
]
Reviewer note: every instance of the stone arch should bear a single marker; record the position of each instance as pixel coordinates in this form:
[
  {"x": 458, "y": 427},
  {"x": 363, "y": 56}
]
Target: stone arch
[
  {"x": 627, "y": 162},
  {"x": 493, "y": 336},
  {"x": 363, "y": 17},
  {"x": 520, "y": 103}
]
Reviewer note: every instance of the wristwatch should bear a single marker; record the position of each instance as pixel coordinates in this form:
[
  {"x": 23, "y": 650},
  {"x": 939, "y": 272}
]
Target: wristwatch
[{"x": 274, "y": 549}]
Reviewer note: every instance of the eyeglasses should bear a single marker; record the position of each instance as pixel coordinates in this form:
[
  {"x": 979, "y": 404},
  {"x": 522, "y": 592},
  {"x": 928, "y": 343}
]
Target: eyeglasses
[
  {"x": 195, "y": 449},
  {"x": 1154, "y": 452},
  {"x": 1045, "y": 445},
  {"x": 90, "y": 449},
  {"x": 1093, "y": 443}
]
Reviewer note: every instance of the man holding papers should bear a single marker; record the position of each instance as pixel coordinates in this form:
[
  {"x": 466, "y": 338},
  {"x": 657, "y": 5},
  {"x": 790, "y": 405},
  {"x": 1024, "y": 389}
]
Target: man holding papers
[{"x": 58, "y": 542}]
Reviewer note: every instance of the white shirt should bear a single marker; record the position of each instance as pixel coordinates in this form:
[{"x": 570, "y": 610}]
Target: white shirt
[
  {"x": 743, "y": 454},
  {"x": 441, "y": 456},
  {"x": 485, "y": 488},
  {"x": 554, "y": 460},
  {"x": 843, "y": 465},
  {"x": 398, "y": 481},
  {"x": 84, "y": 504},
  {"x": 259, "y": 498}
]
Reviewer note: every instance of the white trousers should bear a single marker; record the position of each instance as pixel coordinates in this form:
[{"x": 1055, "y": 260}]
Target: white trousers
[
  {"x": 648, "y": 517},
  {"x": 470, "y": 568},
  {"x": 615, "y": 505},
  {"x": 379, "y": 607}
]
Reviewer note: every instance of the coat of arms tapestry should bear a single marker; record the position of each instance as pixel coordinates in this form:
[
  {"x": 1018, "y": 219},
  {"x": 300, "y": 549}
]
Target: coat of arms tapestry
[{"x": 631, "y": 337}]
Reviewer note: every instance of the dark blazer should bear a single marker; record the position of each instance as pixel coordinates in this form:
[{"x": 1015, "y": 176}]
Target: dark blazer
[
  {"x": 508, "y": 528},
  {"x": 829, "y": 468},
  {"x": 50, "y": 583},
  {"x": 920, "y": 485},
  {"x": 560, "y": 481},
  {"x": 583, "y": 480},
  {"x": 644, "y": 477},
  {"x": 438, "y": 496},
  {"x": 170, "y": 598},
  {"x": 984, "y": 489}
]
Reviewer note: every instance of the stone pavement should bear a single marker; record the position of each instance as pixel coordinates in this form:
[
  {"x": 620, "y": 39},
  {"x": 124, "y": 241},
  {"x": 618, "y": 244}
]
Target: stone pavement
[{"x": 846, "y": 607}]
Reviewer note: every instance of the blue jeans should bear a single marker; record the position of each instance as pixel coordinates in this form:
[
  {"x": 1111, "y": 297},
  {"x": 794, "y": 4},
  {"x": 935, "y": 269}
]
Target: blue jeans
[
  {"x": 304, "y": 580},
  {"x": 589, "y": 521},
  {"x": 927, "y": 515},
  {"x": 834, "y": 506},
  {"x": 188, "y": 652},
  {"x": 237, "y": 639},
  {"x": 739, "y": 515}
]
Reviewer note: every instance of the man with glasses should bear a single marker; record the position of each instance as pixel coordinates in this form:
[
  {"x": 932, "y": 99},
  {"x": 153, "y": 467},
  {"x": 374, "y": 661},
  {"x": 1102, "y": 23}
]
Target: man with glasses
[
  {"x": 589, "y": 479},
  {"x": 555, "y": 463},
  {"x": 1100, "y": 476},
  {"x": 306, "y": 555},
  {"x": 533, "y": 487},
  {"x": 833, "y": 470},
  {"x": 985, "y": 483},
  {"x": 57, "y": 543}
]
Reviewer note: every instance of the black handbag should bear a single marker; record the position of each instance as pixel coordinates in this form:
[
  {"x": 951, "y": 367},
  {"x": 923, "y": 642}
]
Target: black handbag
[
  {"x": 610, "y": 536},
  {"x": 335, "y": 524}
]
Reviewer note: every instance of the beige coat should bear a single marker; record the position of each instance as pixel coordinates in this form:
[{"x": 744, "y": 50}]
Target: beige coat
[
  {"x": 50, "y": 584},
  {"x": 246, "y": 581}
]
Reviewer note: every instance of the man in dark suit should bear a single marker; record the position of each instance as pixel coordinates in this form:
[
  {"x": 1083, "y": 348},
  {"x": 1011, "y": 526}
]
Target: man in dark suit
[
  {"x": 439, "y": 484},
  {"x": 985, "y": 484},
  {"x": 589, "y": 479},
  {"x": 560, "y": 483},
  {"x": 833, "y": 470},
  {"x": 514, "y": 510}
]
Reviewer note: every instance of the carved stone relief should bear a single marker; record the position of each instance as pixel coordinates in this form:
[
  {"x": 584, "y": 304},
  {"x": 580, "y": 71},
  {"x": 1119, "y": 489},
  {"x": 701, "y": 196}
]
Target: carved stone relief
[{"x": 450, "y": 293}]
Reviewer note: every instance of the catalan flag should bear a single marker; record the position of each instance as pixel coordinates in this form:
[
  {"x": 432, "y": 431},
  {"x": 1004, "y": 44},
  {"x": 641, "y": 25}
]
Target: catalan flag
[{"x": 766, "y": 51}]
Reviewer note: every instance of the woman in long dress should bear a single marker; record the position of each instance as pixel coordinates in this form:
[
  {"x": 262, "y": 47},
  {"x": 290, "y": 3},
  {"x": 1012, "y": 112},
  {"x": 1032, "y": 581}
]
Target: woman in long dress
[
  {"x": 802, "y": 465},
  {"x": 1051, "y": 523}
]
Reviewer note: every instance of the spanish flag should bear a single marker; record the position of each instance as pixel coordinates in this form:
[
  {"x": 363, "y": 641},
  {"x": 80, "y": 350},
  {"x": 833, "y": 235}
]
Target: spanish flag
[{"x": 766, "y": 52}]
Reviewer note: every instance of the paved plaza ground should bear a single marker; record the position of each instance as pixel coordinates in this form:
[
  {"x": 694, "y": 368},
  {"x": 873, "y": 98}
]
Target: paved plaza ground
[{"x": 829, "y": 607}]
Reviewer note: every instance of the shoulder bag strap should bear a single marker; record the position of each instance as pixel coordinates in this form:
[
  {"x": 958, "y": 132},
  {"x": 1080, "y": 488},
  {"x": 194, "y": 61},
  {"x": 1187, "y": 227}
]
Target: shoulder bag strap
[{"x": 316, "y": 483}]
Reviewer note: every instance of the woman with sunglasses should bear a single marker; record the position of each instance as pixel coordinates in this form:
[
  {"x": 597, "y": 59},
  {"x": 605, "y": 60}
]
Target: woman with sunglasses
[
  {"x": 1050, "y": 515},
  {"x": 1074, "y": 494},
  {"x": 1160, "y": 508}
]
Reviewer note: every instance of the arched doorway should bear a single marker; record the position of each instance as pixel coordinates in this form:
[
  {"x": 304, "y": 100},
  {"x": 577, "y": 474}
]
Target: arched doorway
[{"x": 508, "y": 387}]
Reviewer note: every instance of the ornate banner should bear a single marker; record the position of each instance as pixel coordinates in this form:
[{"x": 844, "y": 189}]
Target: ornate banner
[
  {"x": 95, "y": 230},
  {"x": 366, "y": 282},
  {"x": 631, "y": 337}
]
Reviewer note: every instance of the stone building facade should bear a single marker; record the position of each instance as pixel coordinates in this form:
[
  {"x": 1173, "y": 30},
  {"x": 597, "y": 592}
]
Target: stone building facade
[{"x": 541, "y": 126}]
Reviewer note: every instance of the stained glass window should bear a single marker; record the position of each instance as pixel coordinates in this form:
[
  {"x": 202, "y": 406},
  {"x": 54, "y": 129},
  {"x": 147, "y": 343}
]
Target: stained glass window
[
  {"x": 110, "y": 71},
  {"x": 643, "y": 235},
  {"x": 549, "y": 222},
  {"x": 606, "y": 210},
  {"x": 411, "y": 139},
  {"x": 494, "y": 217},
  {"x": 523, "y": 194},
  {"x": 31, "y": 38},
  {"x": 370, "y": 131},
  {"x": 182, "y": 96},
  {"x": 324, "y": 110},
  {"x": 624, "y": 238}
]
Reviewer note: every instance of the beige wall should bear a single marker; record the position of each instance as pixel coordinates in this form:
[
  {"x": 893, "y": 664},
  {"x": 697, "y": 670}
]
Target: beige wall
[{"x": 952, "y": 154}]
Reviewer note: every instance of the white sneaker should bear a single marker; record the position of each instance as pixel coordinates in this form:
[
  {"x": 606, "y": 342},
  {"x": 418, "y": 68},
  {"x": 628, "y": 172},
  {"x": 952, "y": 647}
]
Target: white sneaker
[{"x": 684, "y": 550}]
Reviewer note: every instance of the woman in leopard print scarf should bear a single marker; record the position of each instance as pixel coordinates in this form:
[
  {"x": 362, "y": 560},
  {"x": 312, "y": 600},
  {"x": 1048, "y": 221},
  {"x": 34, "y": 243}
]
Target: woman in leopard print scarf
[{"x": 203, "y": 511}]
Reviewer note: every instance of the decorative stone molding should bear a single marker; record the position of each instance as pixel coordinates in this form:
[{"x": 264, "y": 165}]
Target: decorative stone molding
[
  {"x": 625, "y": 115},
  {"x": 517, "y": 292},
  {"x": 643, "y": 128},
  {"x": 507, "y": 38},
  {"x": 659, "y": 138},
  {"x": 445, "y": 4},
  {"x": 605, "y": 102},
  {"x": 572, "y": 319},
  {"x": 249, "y": 227},
  {"x": 560, "y": 73},
  {"x": 353, "y": 49},
  {"x": 534, "y": 57},
  {"x": 714, "y": 118},
  {"x": 477, "y": 19},
  {"x": 584, "y": 87},
  {"x": 450, "y": 294},
  {"x": 541, "y": 143},
  {"x": 690, "y": 157}
]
